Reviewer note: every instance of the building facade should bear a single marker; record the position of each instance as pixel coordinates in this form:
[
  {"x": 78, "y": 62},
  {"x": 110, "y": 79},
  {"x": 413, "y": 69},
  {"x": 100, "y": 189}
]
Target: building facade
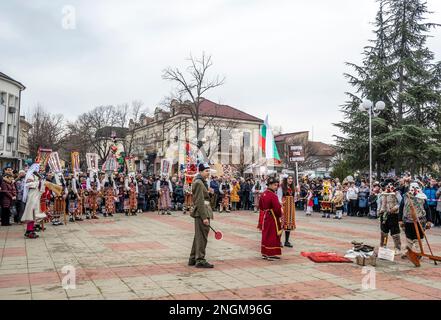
[
  {"x": 228, "y": 136},
  {"x": 10, "y": 102},
  {"x": 318, "y": 156},
  {"x": 23, "y": 141}
]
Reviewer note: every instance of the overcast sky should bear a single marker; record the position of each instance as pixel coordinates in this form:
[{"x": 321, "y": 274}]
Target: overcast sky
[{"x": 284, "y": 58}]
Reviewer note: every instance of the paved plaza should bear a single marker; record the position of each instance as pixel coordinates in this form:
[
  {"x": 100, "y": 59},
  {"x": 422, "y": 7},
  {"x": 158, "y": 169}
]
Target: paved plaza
[{"x": 145, "y": 257}]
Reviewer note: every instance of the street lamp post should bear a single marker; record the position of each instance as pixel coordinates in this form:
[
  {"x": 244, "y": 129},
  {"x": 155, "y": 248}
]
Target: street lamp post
[{"x": 373, "y": 110}]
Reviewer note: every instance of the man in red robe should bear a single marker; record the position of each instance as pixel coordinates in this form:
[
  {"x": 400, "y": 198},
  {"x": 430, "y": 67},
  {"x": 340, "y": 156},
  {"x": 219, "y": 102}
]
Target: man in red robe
[{"x": 271, "y": 227}]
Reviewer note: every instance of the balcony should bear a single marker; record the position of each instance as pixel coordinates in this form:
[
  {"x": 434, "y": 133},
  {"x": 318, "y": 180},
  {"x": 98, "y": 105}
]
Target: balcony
[
  {"x": 10, "y": 139},
  {"x": 12, "y": 109}
]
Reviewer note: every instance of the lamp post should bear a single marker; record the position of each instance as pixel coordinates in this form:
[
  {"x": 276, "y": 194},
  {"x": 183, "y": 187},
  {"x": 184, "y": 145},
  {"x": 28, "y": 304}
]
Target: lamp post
[{"x": 373, "y": 110}]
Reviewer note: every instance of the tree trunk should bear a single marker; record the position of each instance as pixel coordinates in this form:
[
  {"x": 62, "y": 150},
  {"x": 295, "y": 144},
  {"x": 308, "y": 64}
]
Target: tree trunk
[{"x": 377, "y": 166}]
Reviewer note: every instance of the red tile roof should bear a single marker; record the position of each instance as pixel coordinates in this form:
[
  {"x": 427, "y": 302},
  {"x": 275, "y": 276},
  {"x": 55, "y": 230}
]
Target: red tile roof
[
  {"x": 210, "y": 109},
  {"x": 313, "y": 148},
  {"x": 282, "y": 137},
  {"x": 321, "y": 149}
]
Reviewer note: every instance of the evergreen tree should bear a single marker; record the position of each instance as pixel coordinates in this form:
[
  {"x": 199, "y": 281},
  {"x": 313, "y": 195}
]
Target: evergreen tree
[
  {"x": 372, "y": 80},
  {"x": 398, "y": 69},
  {"x": 417, "y": 79}
]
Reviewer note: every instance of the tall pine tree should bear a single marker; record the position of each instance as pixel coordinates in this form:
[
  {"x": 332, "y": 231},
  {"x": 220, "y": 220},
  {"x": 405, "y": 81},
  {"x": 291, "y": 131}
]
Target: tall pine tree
[
  {"x": 398, "y": 69},
  {"x": 417, "y": 95},
  {"x": 373, "y": 80}
]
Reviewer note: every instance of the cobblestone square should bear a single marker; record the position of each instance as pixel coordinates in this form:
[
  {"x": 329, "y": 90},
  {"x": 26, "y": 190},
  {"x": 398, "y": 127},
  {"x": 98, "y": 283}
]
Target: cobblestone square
[{"x": 145, "y": 257}]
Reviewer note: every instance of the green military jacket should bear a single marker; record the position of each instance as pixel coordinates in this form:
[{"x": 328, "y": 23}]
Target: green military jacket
[{"x": 201, "y": 199}]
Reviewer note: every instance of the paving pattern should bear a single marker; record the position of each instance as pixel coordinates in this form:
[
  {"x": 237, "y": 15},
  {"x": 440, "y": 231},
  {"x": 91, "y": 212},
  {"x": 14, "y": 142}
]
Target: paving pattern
[{"x": 145, "y": 257}]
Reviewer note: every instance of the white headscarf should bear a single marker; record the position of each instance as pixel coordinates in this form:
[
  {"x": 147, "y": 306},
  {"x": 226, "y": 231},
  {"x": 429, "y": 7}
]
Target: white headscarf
[{"x": 34, "y": 168}]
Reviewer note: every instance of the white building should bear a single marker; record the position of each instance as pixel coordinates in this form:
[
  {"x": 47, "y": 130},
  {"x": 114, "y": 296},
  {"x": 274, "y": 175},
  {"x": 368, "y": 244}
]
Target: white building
[
  {"x": 23, "y": 140},
  {"x": 10, "y": 98},
  {"x": 230, "y": 136}
]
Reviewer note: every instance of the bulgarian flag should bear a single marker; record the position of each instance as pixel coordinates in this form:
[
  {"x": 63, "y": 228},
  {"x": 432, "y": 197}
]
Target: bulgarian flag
[
  {"x": 267, "y": 143},
  {"x": 262, "y": 138}
]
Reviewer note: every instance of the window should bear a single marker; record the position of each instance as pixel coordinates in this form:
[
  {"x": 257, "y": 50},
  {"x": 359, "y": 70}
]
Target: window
[
  {"x": 2, "y": 113},
  {"x": 10, "y": 118},
  {"x": 246, "y": 139},
  {"x": 224, "y": 140},
  {"x": 3, "y": 98},
  {"x": 11, "y": 100}
]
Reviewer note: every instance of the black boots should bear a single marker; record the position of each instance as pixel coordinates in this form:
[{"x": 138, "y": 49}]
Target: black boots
[
  {"x": 204, "y": 264},
  {"x": 287, "y": 243},
  {"x": 37, "y": 227},
  {"x": 191, "y": 262},
  {"x": 5, "y": 218},
  {"x": 31, "y": 235}
]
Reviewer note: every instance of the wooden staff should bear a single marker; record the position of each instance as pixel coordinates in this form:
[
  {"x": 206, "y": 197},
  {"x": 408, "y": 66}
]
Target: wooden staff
[
  {"x": 414, "y": 256},
  {"x": 63, "y": 205}
]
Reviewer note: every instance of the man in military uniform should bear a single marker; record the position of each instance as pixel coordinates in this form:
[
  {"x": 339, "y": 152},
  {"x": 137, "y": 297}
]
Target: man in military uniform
[{"x": 202, "y": 213}]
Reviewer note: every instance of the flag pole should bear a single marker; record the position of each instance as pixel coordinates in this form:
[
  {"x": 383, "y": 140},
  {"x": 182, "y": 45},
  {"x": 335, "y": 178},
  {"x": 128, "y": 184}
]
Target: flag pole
[{"x": 297, "y": 174}]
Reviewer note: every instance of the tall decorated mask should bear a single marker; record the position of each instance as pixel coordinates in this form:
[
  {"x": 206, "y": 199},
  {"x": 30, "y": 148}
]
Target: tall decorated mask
[
  {"x": 415, "y": 189},
  {"x": 390, "y": 188}
]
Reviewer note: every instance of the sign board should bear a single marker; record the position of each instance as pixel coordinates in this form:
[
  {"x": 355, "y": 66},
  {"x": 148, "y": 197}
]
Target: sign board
[
  {"x": 165, "y": 167},
  {"x": 43, "y": 158},
  {"x": 75, "y": 161},
  {"x": 92, "y": 162},
  {"x": 130, "y": 163},
  {"x": 296, "y": 153},
  {"x": 219, "y": 169},
  {"x": 54, "y": 162},
  {"x": 386, "y": 254}
]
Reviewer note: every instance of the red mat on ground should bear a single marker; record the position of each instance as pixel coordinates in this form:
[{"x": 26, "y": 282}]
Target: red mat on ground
[{"x": 323, "y": 257}]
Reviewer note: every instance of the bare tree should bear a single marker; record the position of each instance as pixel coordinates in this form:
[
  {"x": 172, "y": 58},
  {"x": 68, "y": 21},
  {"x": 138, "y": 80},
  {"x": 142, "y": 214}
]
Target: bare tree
[
  {"x": 47, "y": 130},
  {"x": 192, "y": 87},
  {"x": 76, "y": 140},
  {"x": 134, "y": 112},
  {"x": 96, "y": 126},
  {"x": 210, "y": 127},
  {"x": 277, "y": 130},
  {"x": 313, "y": 160},
  {"x": 121, "y": 115}
]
